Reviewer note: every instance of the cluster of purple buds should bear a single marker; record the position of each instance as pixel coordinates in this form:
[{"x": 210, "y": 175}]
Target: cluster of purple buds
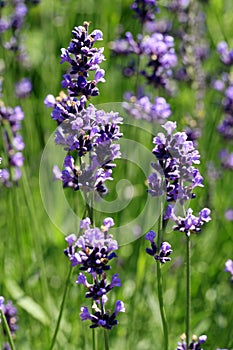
[
  {"x": 174, "y": 172},
  {"x": 196, "y": 343},
  {"x": 10, "y": 313},
  {"x": 23, "y": 88},
  {"x": 190, "y": 223},
  {"x": 225, "y": 127},
  {"x": 92, "y": 252},
  {"x": 161, "y": 255},
  {"x": 10, "y": 121},
  {"x": 157, "y": 49},
  {"x": 226, "y": 55},
  {"x": 12, "y": 21},
  {"x": 145, "y": 10},
  {"x": 91, "y": 134},
  {"x": 224, "y": 84},
  {"x": 87, "y": 134},
  {"x": 226, "y": 159},
  {"x": 229, "y": 268},
  {"x": 142, "y": 108},
  {"x": 83, "y": 58}
]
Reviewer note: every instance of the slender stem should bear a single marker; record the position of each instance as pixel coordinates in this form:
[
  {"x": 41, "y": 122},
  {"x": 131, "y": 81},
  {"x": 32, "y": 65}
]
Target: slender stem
[
  {"x": 188, "y": 289},
  {"x": 161, "y": 305},
  {"x": 93, "y": 339},
  {"x": 160, "y": 286},
  {"x": 61, "y": 308},
  {"x": 7, "y": 329},
  {"x": 106, "y": 339},
  {"x": 106, "y": 344}
]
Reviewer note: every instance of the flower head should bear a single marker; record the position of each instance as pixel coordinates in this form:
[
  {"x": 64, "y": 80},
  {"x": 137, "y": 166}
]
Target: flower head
[{"x": 161, "y": 255}]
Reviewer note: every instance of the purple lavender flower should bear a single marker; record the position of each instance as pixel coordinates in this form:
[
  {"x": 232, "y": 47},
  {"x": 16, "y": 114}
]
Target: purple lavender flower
[
  {"x": 83, "y": 57},
  {"x": 102, "y": 319},
  {"x": 10, "y": 121},
  {"x": 91, "y": 133},
  {"x": 156, "y": 49},
  {"x": 229, "y": 268},
  {"x": 161, "y": 255},
  {"x": 195, "y": 344},
  {"x": 93, "y": 250},
  {"x": 10, "y": 313},
  {"x": 142, "y": 108},
  {"x": 191, "y": 224},
  {"x": 175, "y": 158},
  {"x": 83, "y": 130},
  {"x": 23, "y": 88},
  {"x": 226, "y": 159},
  {"x": 145, "y": 10},
  {"x": 226, "y": 55},
  {"x": 100, "y": 287},
  {"x": 229, "y": 214}
]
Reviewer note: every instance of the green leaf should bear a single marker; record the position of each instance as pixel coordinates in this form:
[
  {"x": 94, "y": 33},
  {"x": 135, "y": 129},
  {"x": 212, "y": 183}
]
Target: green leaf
[{"x": 27, "y": 303}]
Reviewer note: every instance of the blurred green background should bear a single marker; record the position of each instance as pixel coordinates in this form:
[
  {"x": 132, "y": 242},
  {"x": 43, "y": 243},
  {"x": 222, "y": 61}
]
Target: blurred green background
[{"x": 33, "y": 267}]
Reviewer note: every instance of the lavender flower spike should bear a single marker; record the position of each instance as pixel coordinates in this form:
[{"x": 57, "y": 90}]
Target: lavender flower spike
[{"x": 165, "y": 249}]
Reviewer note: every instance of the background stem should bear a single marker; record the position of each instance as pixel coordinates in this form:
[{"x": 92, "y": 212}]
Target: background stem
[
  {"x": 188, "y": 289},
  {"x": 61, "y": 308}
]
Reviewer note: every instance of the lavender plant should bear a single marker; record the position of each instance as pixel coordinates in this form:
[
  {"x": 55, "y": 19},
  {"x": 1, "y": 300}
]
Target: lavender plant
[
  {"x": 92, "y": 251},
  {"x": 224, "y": 85},
  {"x": 88, "y": 136},
  {"x": 12, "y": 19},
  {"x": 86, "y": 133},
  {"x": 13, "y": 144},
  {"x": 157, "y": 53},
  {"x": 175, "y": 176}
]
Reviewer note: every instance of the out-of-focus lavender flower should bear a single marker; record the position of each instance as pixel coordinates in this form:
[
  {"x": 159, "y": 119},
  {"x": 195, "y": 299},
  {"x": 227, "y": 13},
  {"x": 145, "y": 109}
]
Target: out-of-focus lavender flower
[
  {"x": 155, "y": 49},
  {"x": 225, "y": 128},
  {"x": 10, "y": 121},
  {"x": 23, "y": 88},
  {"x": 142, "y": 108},
  {"x": 226, "y": 159},
  {"x": 145, "y": 10},
  {"x": 161, "y": 255},
  {"x": 229, "y": 214},
  {"x": 10, "y": 313},
  {"x": 174, "y": 167},
  {"x": 226, "y": 55},
  {"x": 92, "y": 251},
  {"x": 229, "y": 268},
  {"x": 196, "y": 343}
]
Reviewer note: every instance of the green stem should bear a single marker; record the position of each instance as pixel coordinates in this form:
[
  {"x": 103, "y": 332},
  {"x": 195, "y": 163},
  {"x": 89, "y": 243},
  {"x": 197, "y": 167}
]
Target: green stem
[
  {"x": 160, "y": 286},
  {"x": 61, "y": 308},
  {"x": 106, "y": 344},
  {"x": 7, "y": 330},
  {"x": 188, "y": 289},
  {"x": 93, "y": 339},
  {"x": 106, "y": 339},
  {"x": 161, "y": 305}
]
